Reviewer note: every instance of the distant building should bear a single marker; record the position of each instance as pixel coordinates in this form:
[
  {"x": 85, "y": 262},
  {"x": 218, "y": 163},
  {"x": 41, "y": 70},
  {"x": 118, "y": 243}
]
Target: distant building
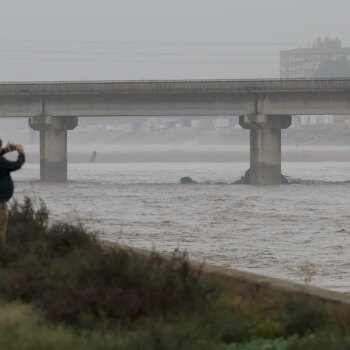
[
  {"x": 305, "y": 62},
  {"x": 325, "y": 58},
  {"x": 315, "y": 120},
  {"x": 221, "y": 123},
  {"x": 204, "y": 124}
]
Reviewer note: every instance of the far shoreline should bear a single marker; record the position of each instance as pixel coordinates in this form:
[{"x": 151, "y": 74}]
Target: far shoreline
[{"x": 123, "y": 153}]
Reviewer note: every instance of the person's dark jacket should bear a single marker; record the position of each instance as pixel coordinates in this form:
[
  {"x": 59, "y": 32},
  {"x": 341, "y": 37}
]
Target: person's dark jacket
[{"x": 6, "y": 183}]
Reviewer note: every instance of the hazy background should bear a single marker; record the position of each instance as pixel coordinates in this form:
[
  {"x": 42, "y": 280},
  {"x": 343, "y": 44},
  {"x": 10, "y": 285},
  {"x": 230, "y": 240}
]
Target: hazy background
[{"x": 159, "y": 39}]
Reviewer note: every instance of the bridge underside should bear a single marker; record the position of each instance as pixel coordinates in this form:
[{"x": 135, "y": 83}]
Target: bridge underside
[{"x": 265, "y": 146}]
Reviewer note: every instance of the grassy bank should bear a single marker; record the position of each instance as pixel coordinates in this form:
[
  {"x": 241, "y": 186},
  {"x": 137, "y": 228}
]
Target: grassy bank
[{"x": 61, "y": 289}]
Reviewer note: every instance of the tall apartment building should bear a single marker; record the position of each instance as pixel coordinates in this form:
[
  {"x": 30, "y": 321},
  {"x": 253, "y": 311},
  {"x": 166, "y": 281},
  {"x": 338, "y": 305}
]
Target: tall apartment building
[{"x": 304, "y": 62}]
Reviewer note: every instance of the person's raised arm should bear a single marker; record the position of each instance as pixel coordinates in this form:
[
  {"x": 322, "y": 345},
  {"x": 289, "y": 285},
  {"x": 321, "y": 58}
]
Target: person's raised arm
[{"x": 9, "y": 165}]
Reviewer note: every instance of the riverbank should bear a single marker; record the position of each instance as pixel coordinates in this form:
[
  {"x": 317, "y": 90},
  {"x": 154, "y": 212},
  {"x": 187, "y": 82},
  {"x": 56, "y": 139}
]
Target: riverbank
[{"x": 85, "y": 295}]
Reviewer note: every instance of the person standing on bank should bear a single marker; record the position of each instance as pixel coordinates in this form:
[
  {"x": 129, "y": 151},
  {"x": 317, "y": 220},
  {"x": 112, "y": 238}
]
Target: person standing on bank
[{"x": 6, "y": 183}]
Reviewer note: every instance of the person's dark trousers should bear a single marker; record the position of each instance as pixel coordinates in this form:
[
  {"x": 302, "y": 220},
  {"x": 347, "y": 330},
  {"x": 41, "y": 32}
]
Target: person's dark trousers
[{"x": 3, "y": 222}]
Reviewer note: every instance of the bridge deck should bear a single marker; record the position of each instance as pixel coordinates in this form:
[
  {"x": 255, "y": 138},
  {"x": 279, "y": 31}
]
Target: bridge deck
[{"x": 175, "y": 86}]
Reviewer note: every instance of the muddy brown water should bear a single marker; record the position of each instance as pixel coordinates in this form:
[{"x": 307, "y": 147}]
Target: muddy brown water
[{"x": 299, "y": 232}]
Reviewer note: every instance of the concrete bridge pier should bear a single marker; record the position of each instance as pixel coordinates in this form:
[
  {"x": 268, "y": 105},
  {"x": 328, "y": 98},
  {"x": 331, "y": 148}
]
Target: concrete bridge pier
[
  {"x": 265, "y": 146},
  {"x": 53, "y": 145}
]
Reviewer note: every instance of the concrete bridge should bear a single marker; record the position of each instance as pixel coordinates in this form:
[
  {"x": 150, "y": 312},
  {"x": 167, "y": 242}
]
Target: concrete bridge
[{"x": 264, "y": 106}]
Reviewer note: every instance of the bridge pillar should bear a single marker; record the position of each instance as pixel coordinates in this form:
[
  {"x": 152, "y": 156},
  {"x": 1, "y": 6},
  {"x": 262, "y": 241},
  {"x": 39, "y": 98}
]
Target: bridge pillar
[
  {"x": 53, "y": 145},
  {"x": 265, "y": 147}
]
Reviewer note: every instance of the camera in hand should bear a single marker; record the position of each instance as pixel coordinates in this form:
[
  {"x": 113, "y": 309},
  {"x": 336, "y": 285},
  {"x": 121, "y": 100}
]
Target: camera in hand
[{"x": 11, "y": 147}]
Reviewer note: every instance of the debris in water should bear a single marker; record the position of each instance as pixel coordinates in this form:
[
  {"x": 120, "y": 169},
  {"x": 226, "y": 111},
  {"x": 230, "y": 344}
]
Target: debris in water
[{"x": 187, "y": 180}]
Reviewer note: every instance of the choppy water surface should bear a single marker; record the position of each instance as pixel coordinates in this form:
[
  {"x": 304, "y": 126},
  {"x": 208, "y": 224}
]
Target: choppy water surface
[{"x": 299, "y": 232}]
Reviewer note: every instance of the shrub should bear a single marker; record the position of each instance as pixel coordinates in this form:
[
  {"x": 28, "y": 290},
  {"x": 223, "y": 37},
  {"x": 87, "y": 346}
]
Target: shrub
[
  {"x": 22, "y": 328},
  {"x": 302, "y": 316},
  {"x": 330, "y": 340},
  {"x": 123, "y": 300},
  {"x": 65, "y": 270}
]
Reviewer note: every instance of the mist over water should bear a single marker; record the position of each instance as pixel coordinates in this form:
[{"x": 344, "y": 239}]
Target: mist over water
[{"x": 298, "y": 232}]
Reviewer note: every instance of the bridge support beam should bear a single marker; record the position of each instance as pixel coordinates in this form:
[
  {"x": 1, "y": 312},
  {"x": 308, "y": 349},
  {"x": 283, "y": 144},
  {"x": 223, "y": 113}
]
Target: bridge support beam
[
  {"x": 53, "y": 146},
  {"x": 265, "y": 147}
]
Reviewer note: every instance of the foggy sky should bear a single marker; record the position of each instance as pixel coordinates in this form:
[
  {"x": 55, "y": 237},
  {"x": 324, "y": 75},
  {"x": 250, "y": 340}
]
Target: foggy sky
[{"x": 159, "y": 39}]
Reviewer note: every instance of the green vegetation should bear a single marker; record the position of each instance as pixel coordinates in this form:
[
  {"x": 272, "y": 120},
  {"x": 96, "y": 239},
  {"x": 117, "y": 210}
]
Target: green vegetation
[{"x": 62, "y": 289}]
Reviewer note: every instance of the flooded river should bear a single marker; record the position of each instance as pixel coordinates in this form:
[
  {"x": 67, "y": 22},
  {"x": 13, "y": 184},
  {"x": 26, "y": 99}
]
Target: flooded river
[{"x": 299, "y": 232}]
